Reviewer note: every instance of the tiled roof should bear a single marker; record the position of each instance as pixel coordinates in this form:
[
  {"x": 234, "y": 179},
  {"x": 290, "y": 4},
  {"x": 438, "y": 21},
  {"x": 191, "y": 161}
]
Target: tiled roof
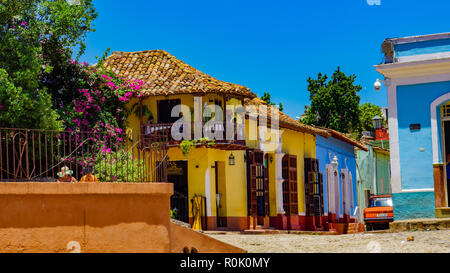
[
  {"x": 285, "y": 120},
  {"x": 163, "y": 74},
  {"x": 345, "y": 138},
  {"x": 378, "y": 148}
]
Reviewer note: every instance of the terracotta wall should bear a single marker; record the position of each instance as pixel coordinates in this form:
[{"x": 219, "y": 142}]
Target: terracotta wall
[
  {"x": 100, "y": 217},
  {"x": 186, "y": 238}
]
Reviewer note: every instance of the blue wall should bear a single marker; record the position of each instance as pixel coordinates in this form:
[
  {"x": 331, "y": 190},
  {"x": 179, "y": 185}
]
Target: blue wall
[
  {"x": 343, "y": 151},
  {"x": 413, "y": 205},
  {"x": 413, "y": 106},
  {"x": 419, "y": 48}
]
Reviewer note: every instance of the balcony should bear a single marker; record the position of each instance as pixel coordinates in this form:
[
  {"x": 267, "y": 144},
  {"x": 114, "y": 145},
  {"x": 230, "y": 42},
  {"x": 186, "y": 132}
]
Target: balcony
[{"x": 162, "y": 132}]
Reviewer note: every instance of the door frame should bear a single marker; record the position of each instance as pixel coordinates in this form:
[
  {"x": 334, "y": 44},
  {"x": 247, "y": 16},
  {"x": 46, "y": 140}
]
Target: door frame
[
  {"x": 185, "y": 217},
  {"x": 444, "y": 151},
  {"x": 347, "y": 194}
]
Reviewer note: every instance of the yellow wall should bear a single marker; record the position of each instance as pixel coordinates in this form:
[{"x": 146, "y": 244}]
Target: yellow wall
[
  {"x": 302, "y": 145},
  {"x": 151, "y": 103},
  {"x": 201, "y": 163},
  {"x": 272, "y": 186}
]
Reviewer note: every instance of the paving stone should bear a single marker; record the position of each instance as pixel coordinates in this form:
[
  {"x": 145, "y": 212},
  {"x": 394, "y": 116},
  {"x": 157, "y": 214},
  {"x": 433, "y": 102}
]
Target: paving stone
[{"x": 433, "y": 241}]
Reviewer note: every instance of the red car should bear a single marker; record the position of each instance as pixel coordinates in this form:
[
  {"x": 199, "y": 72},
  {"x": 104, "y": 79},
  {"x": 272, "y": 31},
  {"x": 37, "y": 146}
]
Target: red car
[{"x": 379, "y": 213}]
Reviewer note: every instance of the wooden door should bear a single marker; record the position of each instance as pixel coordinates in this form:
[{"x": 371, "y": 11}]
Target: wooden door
[
  {"x": 290, "y": 191},
  {"x": 251, "y": 190},
  {"x": 313, "y": 188},
  {"x": 257, "y": 183}
]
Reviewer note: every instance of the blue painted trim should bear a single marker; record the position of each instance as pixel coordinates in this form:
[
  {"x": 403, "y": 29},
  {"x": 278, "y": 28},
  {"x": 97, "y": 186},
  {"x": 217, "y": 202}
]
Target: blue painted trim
[{"x": 420, "y": 48}]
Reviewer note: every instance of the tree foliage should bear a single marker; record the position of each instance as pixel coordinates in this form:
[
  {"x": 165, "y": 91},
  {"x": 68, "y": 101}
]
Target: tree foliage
[
  {"x": 367, "y": 112},
  {"x": 33, "y": 35},
  {"x": 20, "y": 109},
  {"x": 334, "y": 102},
  {"x": 267, "y": 98}
]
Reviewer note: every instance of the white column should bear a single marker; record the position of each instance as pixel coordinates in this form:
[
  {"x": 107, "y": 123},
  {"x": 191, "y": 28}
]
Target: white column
[
  {"x": 396, "y": 177},
  {"x": 279, "y": 180}
]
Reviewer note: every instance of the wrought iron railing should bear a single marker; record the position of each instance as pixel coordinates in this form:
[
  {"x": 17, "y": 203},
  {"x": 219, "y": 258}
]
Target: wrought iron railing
[
  {"x": 40, "y": 156},
  {"x": 162, "y": 132}
]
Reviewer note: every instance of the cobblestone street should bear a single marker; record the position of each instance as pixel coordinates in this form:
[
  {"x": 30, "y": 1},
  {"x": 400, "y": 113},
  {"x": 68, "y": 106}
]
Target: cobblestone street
[{"x": 423, "y": 242}]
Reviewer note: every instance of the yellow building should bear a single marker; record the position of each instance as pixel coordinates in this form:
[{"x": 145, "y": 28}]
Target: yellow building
[{"x": 251, "y": 177}]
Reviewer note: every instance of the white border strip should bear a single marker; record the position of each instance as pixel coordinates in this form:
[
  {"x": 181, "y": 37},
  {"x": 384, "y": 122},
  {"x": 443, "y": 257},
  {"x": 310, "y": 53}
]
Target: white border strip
[
  {"x": 208, "y": 192},
  {"x": 424, "y": 57},
  {"x": 418, "y": 190},
  {"x": 434, "y": 125},
  {"x": 396, "y": 176},
  {"x": 419, "y": 38}
]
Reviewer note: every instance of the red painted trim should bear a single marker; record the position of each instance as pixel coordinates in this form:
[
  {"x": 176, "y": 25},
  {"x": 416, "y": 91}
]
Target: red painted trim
[{"x": 279, "y": 222}]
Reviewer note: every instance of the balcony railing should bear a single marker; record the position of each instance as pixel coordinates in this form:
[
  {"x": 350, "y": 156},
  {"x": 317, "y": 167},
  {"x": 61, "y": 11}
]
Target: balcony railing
[
  {"x": 162, "y": 132},
  {"x": 39, "y": 156}
]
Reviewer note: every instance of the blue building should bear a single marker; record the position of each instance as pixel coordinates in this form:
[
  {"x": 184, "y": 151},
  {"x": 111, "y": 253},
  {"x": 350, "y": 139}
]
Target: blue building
[
  {"x": 337, "y": 159},
  {"x": 417, "y": 77}
]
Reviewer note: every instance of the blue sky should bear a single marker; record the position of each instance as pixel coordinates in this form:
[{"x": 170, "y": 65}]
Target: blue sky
[{"x": 268, "y": 45}]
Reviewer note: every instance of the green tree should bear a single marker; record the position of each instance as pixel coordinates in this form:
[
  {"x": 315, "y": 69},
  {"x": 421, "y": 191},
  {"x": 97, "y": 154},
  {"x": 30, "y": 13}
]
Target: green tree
[
  {"x": 25, "y": 110},
  {"x": 334, "y": 102},
  {"x": 367, "y": 112},
  {"x": 267, "y": 98},
  {"x": 32, "y": 34}
]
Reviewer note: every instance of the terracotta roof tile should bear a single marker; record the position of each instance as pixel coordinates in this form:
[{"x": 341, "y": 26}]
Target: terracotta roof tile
[
  {"x": 286, "y": 121},
  {"x": 163, "y": 74},
  {"x": 344, "y": 138}
]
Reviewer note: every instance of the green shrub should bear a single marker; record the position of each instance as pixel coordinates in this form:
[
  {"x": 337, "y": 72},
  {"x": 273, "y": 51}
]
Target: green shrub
[{"x": 119, "y": 166}]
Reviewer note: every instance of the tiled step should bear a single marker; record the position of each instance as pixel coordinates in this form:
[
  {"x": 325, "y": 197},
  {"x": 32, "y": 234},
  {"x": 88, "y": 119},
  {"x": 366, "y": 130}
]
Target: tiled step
[{"x": 346, "y": 228}]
